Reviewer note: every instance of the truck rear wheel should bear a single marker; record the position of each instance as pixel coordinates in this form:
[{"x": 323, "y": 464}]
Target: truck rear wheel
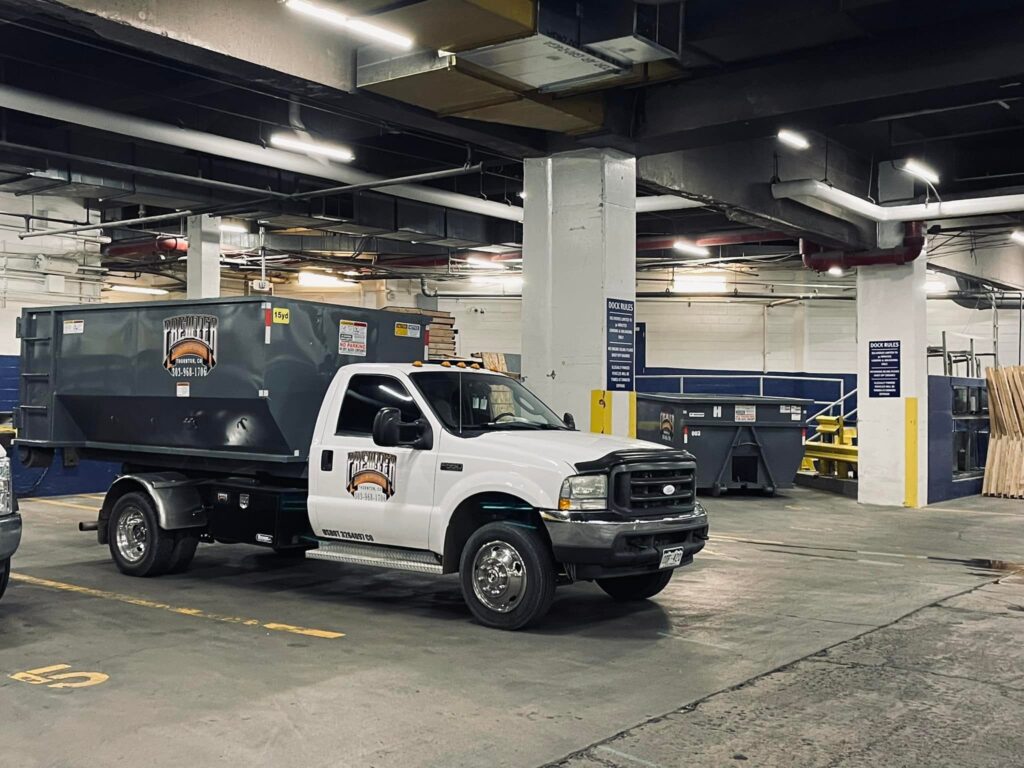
[
  {"x": 628, "y": 588},
  {"x": 5, "y": 575},
  {"x": 137, "y": 543},
  {"x": 508, "y": 576}
]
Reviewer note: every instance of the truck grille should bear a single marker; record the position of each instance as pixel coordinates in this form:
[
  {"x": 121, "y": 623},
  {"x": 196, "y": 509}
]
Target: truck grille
[{"x": 657, "y": 489}]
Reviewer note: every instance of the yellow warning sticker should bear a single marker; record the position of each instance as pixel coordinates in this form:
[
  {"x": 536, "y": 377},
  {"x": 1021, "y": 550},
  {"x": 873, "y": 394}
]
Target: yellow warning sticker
[{"x": 282, "y": 315}]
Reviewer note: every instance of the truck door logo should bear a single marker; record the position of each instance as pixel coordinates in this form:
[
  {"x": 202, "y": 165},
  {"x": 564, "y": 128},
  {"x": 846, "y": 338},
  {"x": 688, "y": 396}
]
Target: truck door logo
[
  {"x": 190, "y": 345},
  {"x": 371, "y": 475}
]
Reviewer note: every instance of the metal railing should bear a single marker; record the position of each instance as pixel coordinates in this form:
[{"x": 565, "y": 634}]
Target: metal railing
[{"x": 827, "y": 406}]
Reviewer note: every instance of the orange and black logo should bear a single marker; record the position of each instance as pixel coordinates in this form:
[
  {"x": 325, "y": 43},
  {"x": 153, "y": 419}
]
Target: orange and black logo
[
  {"x": 371, "y": 475},
  {"x": 190, "y": 345}
]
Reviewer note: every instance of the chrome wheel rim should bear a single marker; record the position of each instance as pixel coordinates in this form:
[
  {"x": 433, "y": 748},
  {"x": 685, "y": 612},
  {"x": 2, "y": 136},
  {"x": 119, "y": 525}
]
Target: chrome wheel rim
[
  {"x": 132, "y": 538},
  {"x": 499, "y": 576}
]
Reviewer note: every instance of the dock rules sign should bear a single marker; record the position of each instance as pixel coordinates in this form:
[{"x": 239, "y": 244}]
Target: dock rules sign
[
  {"x": 620, "y": 341},
  {"x": 883, "y": 369}
]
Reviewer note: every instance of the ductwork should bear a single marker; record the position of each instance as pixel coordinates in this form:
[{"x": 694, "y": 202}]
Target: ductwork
[
  {"x": 163, "y": 133},
  {"x": 821, "y": 260},
  {"x": 973, "y": 296},
  {"x": 827, "y": 198},
  {"x": 654, "y": 203}
]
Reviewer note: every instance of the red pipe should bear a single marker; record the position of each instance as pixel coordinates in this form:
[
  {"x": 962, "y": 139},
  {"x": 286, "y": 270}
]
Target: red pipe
[
  {"x": 147, "y": 247},
  {"x": 814, "y": 257}
]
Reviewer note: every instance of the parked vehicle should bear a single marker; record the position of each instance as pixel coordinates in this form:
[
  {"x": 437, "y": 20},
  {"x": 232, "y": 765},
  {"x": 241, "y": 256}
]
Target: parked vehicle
[
  {"x": 321, "y": 435},
  {"x": 10, "y": 521}
]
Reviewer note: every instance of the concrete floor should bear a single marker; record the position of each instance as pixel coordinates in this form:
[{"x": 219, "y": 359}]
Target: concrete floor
[{"x": 811, "y": 632}]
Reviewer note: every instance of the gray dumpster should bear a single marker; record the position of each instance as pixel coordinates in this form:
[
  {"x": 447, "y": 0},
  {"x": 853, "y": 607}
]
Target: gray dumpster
[{"x": 740, "y": 441}]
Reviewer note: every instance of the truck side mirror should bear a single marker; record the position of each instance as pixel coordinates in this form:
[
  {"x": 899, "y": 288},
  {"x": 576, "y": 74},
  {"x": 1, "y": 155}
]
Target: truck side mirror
[
  {"x": 389, "y": 430},
  {"x": 569, "y": 421}
]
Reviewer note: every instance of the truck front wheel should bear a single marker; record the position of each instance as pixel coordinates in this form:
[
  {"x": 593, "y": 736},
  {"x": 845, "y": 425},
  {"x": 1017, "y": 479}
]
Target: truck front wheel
[
  {"x": 508, "y": 576},
  {"x": 137, "y": 544},
  {"x": 628, "y": 588}
]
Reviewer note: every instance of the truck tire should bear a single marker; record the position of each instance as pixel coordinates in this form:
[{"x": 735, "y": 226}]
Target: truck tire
[
  {"x": 641, "y": 587},
  {"x": 185, "y": 544},
  {"x": 5, "y": 575},
  {"x": 137, "y": 544},
  {"x": 508, "y": 576}
]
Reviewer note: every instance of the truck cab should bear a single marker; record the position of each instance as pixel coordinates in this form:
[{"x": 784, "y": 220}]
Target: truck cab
[{"x": 450, "y": 468}]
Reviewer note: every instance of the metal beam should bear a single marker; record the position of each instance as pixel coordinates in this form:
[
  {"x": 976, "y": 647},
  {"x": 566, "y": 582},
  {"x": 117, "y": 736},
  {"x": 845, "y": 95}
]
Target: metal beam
[
  {"x": 736, "y": 178},
  {"x": 854, "y": 83}
]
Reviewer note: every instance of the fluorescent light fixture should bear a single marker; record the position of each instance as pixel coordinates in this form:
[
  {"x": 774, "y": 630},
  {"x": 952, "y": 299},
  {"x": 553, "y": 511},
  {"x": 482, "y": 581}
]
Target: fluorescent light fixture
[
  {"x": 793, "y": 139},
  {"x": 442, "y": 53},
  {"x": 332, "y": 151},
  {"x": 1018, "y": 236},
  {"x": 521, "y": 194},
  {"x": 320, "y": 280},
  {"x": 700, "y": 283},
  {"x": 138, "y": 289},
  {"x": 360, "y": 27},
  {"x": 481, "y": 263},
  {"x": 836, "y": 271},
  {"x": 691, "y": 248},
  {"x": 922, "y": 171},
  {"x": 234, "y": 228},
  {"x": 934, "y": 286}
]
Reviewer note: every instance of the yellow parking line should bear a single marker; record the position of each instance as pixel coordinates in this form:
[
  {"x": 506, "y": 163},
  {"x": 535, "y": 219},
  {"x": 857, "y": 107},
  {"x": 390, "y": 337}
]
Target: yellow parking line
[
  {"x": 196, "y": 612},
  {"x": 65, "y": 504}
]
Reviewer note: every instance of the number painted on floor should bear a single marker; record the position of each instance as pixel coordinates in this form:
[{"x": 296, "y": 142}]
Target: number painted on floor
[{"x": 47, "y": 676}]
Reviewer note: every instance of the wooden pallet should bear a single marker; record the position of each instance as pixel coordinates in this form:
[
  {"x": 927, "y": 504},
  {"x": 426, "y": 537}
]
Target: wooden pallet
[
  {"x": 442, "y": 330},
  {"x": 1004, "y": 466}
]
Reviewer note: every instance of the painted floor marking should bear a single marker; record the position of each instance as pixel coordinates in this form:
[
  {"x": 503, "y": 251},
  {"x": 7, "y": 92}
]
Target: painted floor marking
[
  {"x": 45, "y": 676},
  {"x": 66, "y": 504},
  {"x": 195, "y": 612}
]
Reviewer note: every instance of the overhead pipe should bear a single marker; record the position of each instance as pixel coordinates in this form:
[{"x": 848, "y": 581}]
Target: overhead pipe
[
  {"x": 811, "y": 191},
  {"x": 654, "y": 203},
  {"x": 105, "y": 224},
  {"x": 814, "y": 257},
  {"x": 147, "y": 247},
  {"x": 971, "y": 297},
  {"x": 40, "y": 105}
]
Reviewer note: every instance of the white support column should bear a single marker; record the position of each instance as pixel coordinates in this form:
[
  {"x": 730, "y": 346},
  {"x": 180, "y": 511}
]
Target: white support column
[
  {"x": 892, "y": 408},
  {"x": 579, "y": 288},
  {"x": 203, "y": 261}
]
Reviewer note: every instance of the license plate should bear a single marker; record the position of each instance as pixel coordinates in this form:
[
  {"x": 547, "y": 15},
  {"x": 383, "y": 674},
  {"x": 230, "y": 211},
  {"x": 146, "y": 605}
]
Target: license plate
[{"x": 671, "y": 557}]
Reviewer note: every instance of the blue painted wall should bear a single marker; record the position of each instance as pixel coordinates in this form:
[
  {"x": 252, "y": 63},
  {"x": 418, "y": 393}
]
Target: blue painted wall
[{"x": 58, "y": 480}]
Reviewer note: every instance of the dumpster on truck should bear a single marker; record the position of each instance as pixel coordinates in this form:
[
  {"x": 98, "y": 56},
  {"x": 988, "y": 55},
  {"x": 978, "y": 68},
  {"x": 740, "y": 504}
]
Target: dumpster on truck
[
  {"x": 739, "y": 441},
  {"x": 229, "y": 384}
]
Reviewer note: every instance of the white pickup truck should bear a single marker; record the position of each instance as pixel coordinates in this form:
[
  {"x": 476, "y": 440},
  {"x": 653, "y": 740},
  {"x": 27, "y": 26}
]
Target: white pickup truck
[{"x": 439, "y": 469}]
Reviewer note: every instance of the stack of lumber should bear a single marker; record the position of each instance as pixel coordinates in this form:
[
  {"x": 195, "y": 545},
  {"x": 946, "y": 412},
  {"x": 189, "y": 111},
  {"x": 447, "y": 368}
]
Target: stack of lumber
[
  {"x": 495, "y": 361},
  {"x": 442, "y": 330},
  {"x": 1004, "y": 467}
]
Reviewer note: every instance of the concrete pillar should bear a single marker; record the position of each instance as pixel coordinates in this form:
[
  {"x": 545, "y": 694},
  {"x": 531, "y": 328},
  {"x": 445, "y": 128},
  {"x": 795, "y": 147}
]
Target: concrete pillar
[
  {"x": 203, "y": 262},
  {"x": 892, "y": 385},
  {"x": 579, "y": 286}
]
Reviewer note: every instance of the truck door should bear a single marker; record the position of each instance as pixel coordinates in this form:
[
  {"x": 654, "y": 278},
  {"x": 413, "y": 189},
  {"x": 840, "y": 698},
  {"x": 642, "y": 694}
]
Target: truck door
[{"x": 362, "y": 492}]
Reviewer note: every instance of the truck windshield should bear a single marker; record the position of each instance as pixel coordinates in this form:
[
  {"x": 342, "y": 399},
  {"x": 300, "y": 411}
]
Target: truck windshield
[{"x": 475, "y": 402}]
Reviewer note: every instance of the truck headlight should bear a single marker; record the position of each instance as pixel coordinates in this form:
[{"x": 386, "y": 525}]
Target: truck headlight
[
  {"x": 6, "y": 492},
  {"x": 584, "y": 492}
]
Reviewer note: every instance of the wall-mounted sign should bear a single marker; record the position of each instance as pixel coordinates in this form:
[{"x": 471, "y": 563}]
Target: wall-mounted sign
[
  {"x": 620, "y": 344},
  {"x": 883, "y": 369}
]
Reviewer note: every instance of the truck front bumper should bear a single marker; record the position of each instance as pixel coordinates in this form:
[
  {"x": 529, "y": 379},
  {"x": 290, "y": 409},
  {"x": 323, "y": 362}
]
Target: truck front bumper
[
  {"x": 10, "y": 535},
  {"x": 597, "y": 544}
]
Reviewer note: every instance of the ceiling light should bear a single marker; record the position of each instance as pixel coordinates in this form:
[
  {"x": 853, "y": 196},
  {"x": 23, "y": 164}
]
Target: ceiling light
[
  {"x": 922, "y": 171},
  {"x": 836, "y": 271},
  {"x": 690, "y": 247},
  {"x": 521, "y": 194},
  {"x": 700, "y": 283},
  {"x": 332, "y": 151},
  {"x": 234, "y": 228},
  {"x": 360, "y": 27},
  {"x": 138, "y": 289},
  {"x": 481, "y": 263},
  {"x": 1017, "y": 236},
  {"x": 320, "y": 280},
  {"x": 934, "y": 286},
  {"x": 793, "y": 139}
]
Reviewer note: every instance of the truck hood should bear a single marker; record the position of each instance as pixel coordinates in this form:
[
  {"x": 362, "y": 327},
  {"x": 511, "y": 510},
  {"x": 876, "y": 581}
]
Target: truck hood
[{"x": 544, "y": 447}]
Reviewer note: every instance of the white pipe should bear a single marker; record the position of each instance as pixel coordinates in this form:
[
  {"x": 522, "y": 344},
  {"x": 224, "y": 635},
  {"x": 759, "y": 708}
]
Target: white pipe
[
  {"x": 808, "y": 191},
  {"x": 162, "y": 133},
  {"x": 665, "y": 203}
]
